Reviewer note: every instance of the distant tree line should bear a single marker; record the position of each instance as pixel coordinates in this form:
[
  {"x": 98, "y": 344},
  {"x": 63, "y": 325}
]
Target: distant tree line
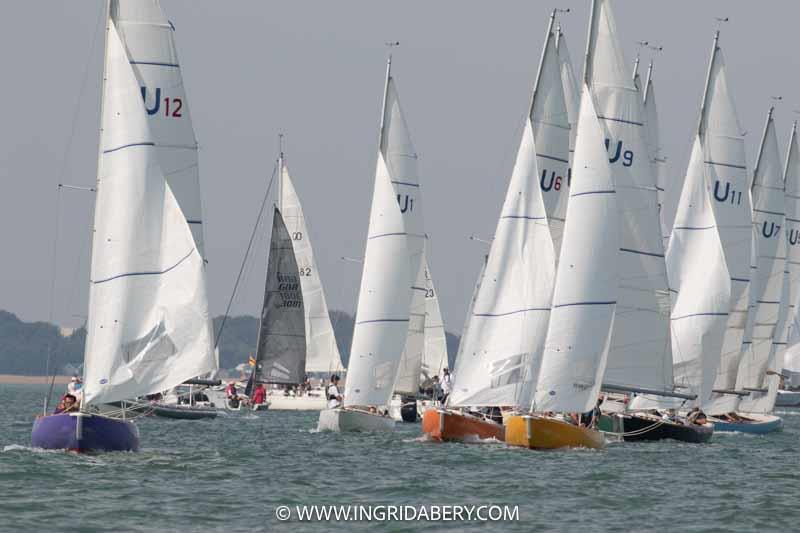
[{"x": 24, "y": 345}]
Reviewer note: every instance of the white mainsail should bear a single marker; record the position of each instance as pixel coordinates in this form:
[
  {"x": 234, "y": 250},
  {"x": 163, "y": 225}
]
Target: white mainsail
[
  {"x": 434, "y": 355},
  {"x": 570, "y": 85},
  {"x": 640, "y": 354},
  {"x": 501, "y": 351},
  {"x": 322, "y": 353},
  {"x": 585, "y": 291},
  {"x": 792, "y": 183},
  {"x": 148, "y": 38},
  {"x": 410, "y": 367},
  {"x": 148, "y": 328},
  {"x": 392, "y": 259},
  {"x": 657, "y": 159},
  {"x": 768, "y": 308},
  {"x": 727, "y": 179}
]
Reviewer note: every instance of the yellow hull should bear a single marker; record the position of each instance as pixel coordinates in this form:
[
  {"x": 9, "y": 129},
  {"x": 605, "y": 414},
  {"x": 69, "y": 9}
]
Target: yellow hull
[{"x": 548, "y": 434}]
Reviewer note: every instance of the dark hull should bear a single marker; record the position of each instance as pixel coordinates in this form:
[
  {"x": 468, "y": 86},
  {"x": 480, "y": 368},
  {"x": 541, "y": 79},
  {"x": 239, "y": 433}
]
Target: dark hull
[
  {"x": 183, "y": 412},
  {"x": 648, "y": 429},
  {"x": 408, "y": 410},
  {"x": 95, "y": 434}
]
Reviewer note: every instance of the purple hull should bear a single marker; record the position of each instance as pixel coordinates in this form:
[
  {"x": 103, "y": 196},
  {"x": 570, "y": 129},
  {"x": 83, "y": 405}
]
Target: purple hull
[{"x": 96, "y": 434}]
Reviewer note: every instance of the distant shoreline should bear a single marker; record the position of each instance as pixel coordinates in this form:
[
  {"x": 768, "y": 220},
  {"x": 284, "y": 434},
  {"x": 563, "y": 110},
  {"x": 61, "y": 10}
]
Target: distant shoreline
[{"x": 13, "y": 379}]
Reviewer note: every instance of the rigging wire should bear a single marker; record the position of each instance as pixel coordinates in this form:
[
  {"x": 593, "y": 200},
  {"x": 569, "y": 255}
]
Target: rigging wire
[
  {"x": 59, "y": 178},
  {"x": 246, "y": 255}
]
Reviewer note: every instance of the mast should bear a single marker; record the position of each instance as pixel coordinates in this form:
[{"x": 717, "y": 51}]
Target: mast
[
  {"x": 701, "y": 121},
  {"x": 541, "y": 60},
  {"x": 107, "y": 9},
  {"x": 386, "y": 92},
  {"x": 281, "y": 163},
  {"x": 647, "y": 81},
  {"x": 587, "y": 60},
  {"x": 761, "y": 145}
]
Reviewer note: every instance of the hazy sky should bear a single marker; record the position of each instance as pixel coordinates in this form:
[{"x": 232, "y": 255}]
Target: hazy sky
[{"x": 314, "y": 69}]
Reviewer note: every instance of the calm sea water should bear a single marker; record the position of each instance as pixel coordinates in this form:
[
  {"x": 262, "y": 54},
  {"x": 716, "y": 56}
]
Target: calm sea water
[{"x": 230, "y": 474}]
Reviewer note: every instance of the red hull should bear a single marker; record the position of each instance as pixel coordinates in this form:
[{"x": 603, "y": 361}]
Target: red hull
[{"x": 454, "y": 426}]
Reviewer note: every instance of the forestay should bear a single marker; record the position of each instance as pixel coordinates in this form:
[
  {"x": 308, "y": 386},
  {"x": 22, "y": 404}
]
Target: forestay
[
  {"x": 148, "y": 327},
  {"x": 586, "y": 282},
  {"x": 322, "y": 353},
  {"x": 727, "y": 179},
  {"x": 501, "y": 350},
  {"x": 391, "y": 262},
  {"x": 148, "y": 38},
  {"x": 281, "y": 347},
  {"x": 767, "y": 306},
  {"x": 640, "y": 354}
]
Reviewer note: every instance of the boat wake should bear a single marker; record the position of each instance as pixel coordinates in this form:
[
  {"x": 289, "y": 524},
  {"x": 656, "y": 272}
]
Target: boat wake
[{"x": 21, "y": 448}]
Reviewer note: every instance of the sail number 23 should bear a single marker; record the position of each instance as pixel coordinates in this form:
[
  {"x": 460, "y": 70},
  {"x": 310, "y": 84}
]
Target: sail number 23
[{"x": 172, "y": 105}]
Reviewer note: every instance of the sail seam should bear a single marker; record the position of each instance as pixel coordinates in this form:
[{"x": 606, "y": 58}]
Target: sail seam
[
  {"x": 387, "y": 235},
  {"x": 406, "y": 183},
  {"x": 592, "y": 192},
  {"x": 523, "y": 217},
  {"x": 742, "y": 167},
  {"x": 156, "y": 64},
  {"x": 128, "y": 146},
  {"x": 383, "y": 320},
  {"x": 152, "y": 273},
  {"x": 698, "y": 314},
  {"x": 585, "y": 303},
  {"x": 621, "y": 120},
  {"x": 511, "y": 312},
  {"x": 554, "y": 158},
  {"x": 640, "y": 252}
]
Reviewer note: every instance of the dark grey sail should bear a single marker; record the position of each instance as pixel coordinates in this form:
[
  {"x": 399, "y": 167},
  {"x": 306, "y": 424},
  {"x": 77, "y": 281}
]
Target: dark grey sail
[{"x": 281, "y": 355}]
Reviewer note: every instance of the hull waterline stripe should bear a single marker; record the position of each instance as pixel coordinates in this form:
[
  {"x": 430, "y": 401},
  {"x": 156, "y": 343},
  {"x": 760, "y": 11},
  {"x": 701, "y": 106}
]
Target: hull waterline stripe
[{"x": 152, "y": 273}]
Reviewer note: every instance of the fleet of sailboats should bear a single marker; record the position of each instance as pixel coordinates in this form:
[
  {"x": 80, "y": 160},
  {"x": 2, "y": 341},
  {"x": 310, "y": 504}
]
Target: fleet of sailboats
[{"x": 593, "y": 290}]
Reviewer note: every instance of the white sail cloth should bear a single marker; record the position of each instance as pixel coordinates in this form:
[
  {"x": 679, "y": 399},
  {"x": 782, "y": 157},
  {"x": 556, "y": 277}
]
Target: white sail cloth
[
  {"x": 434, "y": 354},
  {"x": 148, "y": 38},
  {"x": 148, "y": 328},
  {"x": 700, "y": 283},
  {"x": 727, "y": 179},
  {"x": 640, "y": 353},
  {"x": 394, "y": 250},
  {"x": 322, "y": 353},
  {"x": 768, "y": 307},
  {"x": 657, "y": 158},
  {"x": 501, "y": 350},
  {"x": 792, "y": 225},
  {"x": 585, "y": 291}
]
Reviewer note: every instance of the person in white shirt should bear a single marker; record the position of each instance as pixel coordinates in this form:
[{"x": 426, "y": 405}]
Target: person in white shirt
[
  {"x": 75, "y": 388},
  {"x": 333, "y": 394},
  {"x": 447, "y": 385}
]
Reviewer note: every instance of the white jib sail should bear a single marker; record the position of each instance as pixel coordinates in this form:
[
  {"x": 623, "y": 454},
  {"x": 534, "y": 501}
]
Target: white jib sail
[
  {"x": 657, "y": 159},
  {"x": 501, "y": 351},
  {"x": 701, "y": 285},
  {"x": 434, "y": 355},
  {"x": 148, "y": 38},
  {"x": 640, "y": 353},
  {"x": 767, "y": 307},
  {"x": 727, "y": 179},
  {"x": 148, "y": 327},
  {"x": 586, "y": 281},
  {"x": 322, "y": 352},
  {"x": 392, "y": 260}
]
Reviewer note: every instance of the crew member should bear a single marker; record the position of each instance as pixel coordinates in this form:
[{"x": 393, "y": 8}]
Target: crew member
[{"x": 333, "y": 394}]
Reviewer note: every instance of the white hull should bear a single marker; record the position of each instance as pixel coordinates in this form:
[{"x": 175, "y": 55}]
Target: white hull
[
  {"x": 351, "y": 420},
  {"x": 279, "y": 402},
  {"x": 788, "y": 398}
]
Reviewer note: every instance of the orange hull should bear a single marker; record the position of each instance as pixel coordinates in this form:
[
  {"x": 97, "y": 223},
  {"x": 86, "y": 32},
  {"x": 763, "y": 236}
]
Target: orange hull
[
  {"x": 453, "y": 426},
  {"x": 548, "y": 434}
]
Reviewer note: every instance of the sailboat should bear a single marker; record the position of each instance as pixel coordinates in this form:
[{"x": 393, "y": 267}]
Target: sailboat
[
  {"x": 789, "y": 395},
  {"x": 501, "y": 349},
  {"x": 395, "y": 246},
  {"x": 425, "y": 352},
  {"x": 320, "y": 353},
  {"x": 765, "y": 332},
  {"x": 148, "y": 328}
]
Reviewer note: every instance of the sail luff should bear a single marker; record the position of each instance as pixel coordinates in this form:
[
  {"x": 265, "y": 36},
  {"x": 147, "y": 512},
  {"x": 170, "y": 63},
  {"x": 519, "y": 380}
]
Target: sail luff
[{"x": 701, "y": 121}]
